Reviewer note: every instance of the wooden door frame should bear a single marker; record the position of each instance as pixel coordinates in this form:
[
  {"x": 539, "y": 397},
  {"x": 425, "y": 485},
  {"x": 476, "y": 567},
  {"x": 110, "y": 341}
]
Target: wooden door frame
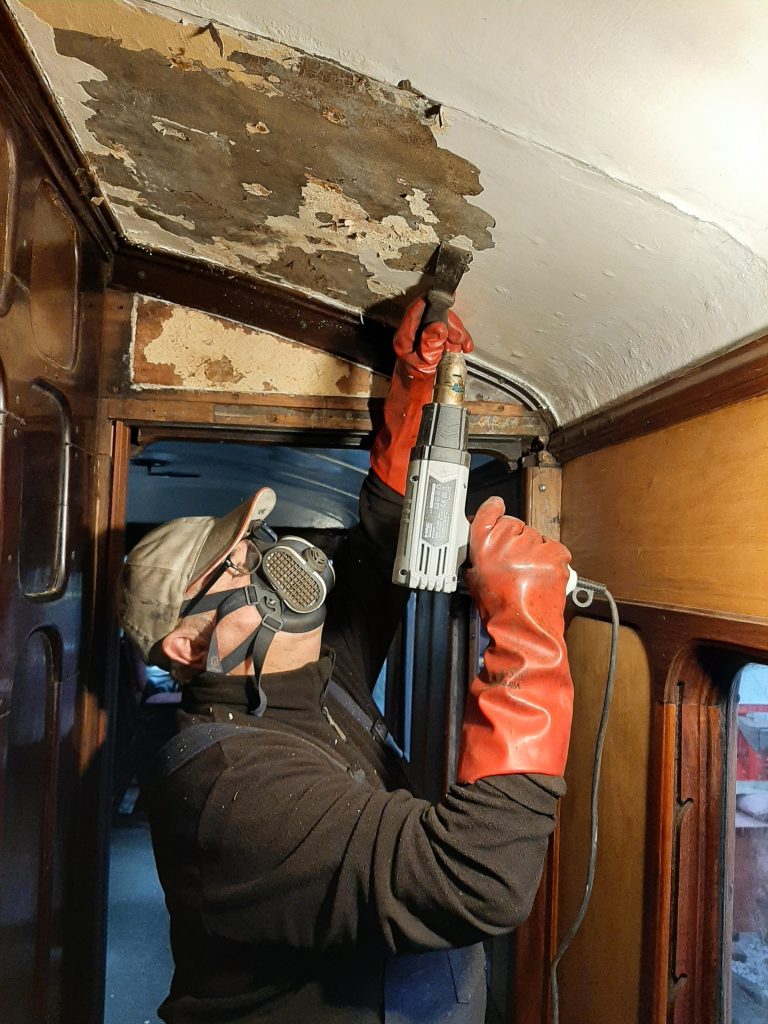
[{"x": 177, "y": 416}]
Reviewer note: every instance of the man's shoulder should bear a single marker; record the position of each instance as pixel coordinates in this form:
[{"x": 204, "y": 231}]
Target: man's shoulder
[{"x": 268, "y": 747}]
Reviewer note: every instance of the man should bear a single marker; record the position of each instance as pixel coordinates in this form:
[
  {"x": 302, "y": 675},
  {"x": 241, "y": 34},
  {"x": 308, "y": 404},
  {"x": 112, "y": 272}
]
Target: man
[{"x": 304, "y": 882}]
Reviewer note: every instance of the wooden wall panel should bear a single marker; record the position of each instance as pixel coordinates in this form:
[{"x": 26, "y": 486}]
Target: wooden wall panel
[
  {"x": 53, "y": 279},
  {"x": 600, "y": 975},
  {"x": 26, "y": 909},
  {"x": 678, "y": 517},
  {"x": 46, "y": 453},
  {"x": 50, "y": 330}
]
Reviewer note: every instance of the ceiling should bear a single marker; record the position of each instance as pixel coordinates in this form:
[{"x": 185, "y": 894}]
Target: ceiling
[{"x": 604, "y": 160}]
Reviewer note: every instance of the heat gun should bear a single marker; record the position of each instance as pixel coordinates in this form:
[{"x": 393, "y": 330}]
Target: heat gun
[{"x": 434, "y": 530}]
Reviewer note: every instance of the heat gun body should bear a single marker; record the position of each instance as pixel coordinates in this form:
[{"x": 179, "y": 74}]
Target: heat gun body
[{"x": 434, "y": 529}]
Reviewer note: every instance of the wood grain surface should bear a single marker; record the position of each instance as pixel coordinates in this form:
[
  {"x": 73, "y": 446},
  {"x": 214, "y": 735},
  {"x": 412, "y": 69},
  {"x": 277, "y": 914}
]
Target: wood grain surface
[{"x": 679, "y": 517}]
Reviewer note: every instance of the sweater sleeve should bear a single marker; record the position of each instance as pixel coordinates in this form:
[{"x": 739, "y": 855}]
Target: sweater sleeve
[
  {"x": 364, "y": 608},
  {"x": 299, "y": 855}
]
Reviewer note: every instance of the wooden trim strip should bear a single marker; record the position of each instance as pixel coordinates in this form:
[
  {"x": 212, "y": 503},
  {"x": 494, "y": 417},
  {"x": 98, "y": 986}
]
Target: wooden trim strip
[
  {"x": 282, "y": 413},
  {"x": 536, "y": 938},
  {"x": 732, "y": 377},
  {"x": 262, "y": 304},
  {"x": 29, "y": 101}
]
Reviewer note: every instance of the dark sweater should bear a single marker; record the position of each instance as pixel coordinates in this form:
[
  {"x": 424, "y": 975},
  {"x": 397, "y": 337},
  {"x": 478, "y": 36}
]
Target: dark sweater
[{"x": 295, "y": 862}]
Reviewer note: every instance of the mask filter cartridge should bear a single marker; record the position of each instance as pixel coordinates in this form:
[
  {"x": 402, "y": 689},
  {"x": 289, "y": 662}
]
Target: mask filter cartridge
[{"x": 301, "y": 575}]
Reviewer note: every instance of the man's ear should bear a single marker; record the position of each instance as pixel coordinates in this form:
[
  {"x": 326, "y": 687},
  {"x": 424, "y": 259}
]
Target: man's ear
[{"x": 186, "y": 647}]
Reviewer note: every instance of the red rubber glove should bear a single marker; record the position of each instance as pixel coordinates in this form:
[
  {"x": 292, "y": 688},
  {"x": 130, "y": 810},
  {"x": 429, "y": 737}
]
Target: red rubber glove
[
  {"x": 411, "y": 389},
  {"x": 519, "y": 709}
]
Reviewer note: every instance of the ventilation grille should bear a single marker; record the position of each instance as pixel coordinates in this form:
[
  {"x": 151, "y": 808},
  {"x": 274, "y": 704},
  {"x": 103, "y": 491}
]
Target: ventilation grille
[{"x": 299, "y": 588}]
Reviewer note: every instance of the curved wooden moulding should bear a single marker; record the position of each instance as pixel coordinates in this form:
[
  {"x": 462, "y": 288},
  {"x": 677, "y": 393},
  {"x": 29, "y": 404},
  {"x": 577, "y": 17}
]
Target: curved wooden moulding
[{"x": 8, "y": 207}]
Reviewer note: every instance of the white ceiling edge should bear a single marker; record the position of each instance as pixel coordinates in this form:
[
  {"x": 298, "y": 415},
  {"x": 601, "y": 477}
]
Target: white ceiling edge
[
  {"x": 596, "y": 290},
  {"x": 671, "y": 98}
]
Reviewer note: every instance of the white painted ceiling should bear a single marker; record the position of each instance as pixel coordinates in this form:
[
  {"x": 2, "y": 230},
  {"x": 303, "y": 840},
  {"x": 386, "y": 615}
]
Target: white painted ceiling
[{"x": 621, "y": 147}]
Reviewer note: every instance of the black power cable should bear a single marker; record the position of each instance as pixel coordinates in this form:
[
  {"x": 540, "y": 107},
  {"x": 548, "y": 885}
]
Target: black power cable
[{"x": 582, "y": 597}]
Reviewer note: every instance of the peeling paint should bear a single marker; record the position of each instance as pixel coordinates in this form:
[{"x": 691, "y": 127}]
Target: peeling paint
[
  {"x": 353, "y": 380},
  {"x": 334, "y": 116},
  {"x": 177, "y": 347},
  {"x": 221, "y": 371},
  {"x": 121, "y": 153},
  {"x": 188, "y": 121},
  {"x": 254, "y": 189},
  {"x": 133, "y": 199},
  {"x": 624, "y": 199},
  {"x": 167, "y": 129},
  {"x": 419, "y": 206},
  {"x": 350, "y": 229}
]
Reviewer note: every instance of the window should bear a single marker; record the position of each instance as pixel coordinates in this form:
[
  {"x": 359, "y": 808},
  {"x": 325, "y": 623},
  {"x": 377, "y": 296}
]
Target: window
[{"x": 749, "y": 948}]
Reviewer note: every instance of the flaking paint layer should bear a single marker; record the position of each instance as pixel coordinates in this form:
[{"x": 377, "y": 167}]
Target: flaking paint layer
[
  {"x": 178, "y": 347},
  {"x": 260, "y": 157}
]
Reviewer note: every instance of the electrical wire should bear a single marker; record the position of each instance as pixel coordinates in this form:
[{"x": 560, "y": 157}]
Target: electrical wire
[{"x": 589, "y": 587}]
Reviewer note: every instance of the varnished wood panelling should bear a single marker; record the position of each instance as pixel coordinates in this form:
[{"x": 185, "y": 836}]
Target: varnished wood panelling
[
  {"x": 3, "y": 427},
  {"x": 696, "y": 926},
  {"x": 600, "y": 976},
  {"x": 54, "y": 278},
  {"x": 543, "y": 484},
  {"x": 44, "y": 494},
  {"x": 734, "y": 376},
  {"x": 693, "y": 658},
  {"x": 49, "y": 350},
  {"x": 8, "y": 202},
  {"x": 26, "y": 863},
  {"x": 535, "y": 939},
  {"x": 679, "y": 517}
]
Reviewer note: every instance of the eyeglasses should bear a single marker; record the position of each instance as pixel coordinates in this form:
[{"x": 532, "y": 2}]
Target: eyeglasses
[{"x": 256, "y": 540}]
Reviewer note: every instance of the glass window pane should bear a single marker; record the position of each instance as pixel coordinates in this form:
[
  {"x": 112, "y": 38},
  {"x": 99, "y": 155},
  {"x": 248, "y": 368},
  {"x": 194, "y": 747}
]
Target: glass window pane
[{"x": 749, "y": 952}]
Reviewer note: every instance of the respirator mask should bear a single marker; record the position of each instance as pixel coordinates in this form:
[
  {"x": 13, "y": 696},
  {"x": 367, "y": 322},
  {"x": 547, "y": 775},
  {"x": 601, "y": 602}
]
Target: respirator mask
[{"x": 289, "y": 580}]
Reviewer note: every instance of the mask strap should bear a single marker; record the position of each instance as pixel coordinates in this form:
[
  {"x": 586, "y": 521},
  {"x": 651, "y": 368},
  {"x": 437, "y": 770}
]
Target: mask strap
[
  {"x": 256, "y": 644},
  {"x": 200, "y": 601}
]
